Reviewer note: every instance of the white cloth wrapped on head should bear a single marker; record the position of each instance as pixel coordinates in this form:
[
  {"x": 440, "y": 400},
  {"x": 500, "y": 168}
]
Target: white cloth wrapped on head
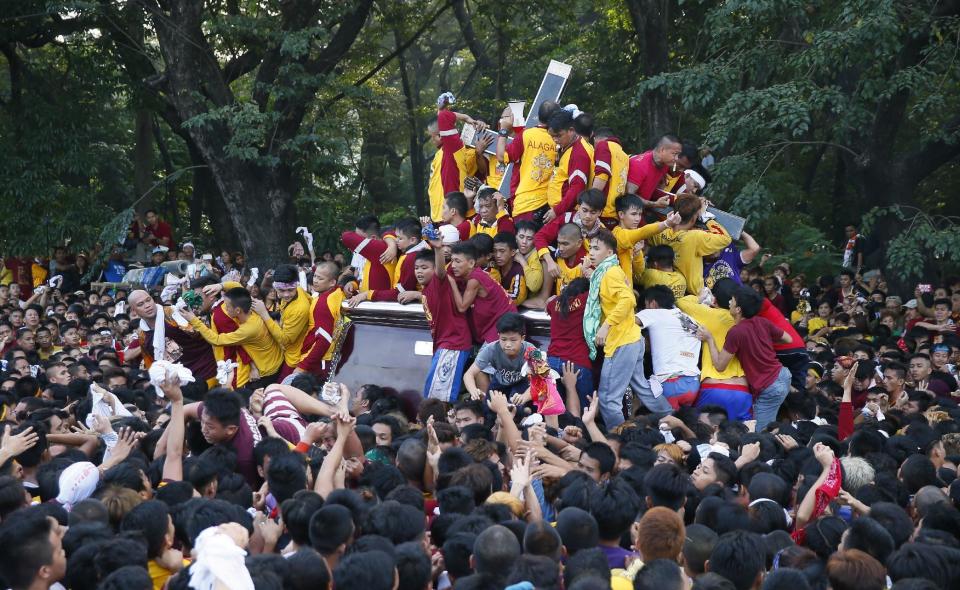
[
  {"x": 163, "y": 370},
  {"x": 77, "y": 483},
  {"x": 219, "y": 563}
]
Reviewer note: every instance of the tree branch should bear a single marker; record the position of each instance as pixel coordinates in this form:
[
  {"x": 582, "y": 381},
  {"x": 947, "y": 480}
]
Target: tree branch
[
  {"x": 469, "y": 36},
  {"x": 393, "y": 54}
]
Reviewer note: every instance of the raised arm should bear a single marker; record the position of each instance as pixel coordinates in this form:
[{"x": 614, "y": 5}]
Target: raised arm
[{"x": 173, "y": 459}]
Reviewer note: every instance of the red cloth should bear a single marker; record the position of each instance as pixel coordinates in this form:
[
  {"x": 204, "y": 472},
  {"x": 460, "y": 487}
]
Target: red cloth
[
  {"x": 450, "y": 144},
  {"x": 579, "y": 170},
  {"x": 645, "y": 174},
  {"x": 515, "y": 152},
  {"x": 770, "y": 313},
  {"x": 487, "y": 310},
  {"x": 845, "y": 421},
  {"x": 449, "y": 327},
  {"x": 752, "y": 341},
  {"x": 566, "y": 333},
  {"x": 465, "y": 228},
  {"x": 825, "y": 494},
  {"x": 22, "y": 271}
]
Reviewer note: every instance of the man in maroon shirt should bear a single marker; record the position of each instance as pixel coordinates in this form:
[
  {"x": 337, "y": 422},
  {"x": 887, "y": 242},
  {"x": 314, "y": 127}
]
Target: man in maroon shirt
[
  {"x": 648, "y": 169},
  {"x": 451, "y": 332},
  {"x": 156, "y": 232},
  {"x": 752, "y": 340}
]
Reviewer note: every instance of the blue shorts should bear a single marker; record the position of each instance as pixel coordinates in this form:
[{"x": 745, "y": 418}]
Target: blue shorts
[
  {"x": 735, "y": 398},
  {"x": 446, "y": 374}
]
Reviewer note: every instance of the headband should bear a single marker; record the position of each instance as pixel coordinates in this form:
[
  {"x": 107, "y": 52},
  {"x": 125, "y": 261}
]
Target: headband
[{"x": 279, "y": 285}]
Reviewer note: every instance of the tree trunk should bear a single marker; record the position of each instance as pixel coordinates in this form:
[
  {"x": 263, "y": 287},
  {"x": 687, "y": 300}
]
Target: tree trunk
[
  {"x": 651, "y": 21},
  {"x": 418, "y": 172}
]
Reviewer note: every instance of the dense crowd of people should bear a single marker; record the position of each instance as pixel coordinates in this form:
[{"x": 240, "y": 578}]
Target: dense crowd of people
[{"x": 698, "y": 418}]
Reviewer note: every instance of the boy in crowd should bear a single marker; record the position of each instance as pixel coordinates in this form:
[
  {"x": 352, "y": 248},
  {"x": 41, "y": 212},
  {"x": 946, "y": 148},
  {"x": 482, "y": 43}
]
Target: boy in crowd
[
  {"x": 454, "y": 213},
  {"x": 728, "y": 387},
  {"x": 574, "y": 171},
  {"x": 629, "y": 232},
  {"x": 751, "y": 340},
  {"x": 492, "y": 217},
  {"x": 453, "y": 162},
  {"x": 506, "y": 270},
  {"x": 608, "y": 322},
  {"x": 660, "y": 271},
  {"x": 474, "y": 290},
  {"x": 451, "y": 332},
  {"x": 317, "y": 349},
  {"x": 673, "y": 345},
  {"x": 529, "y": 259},
  {"x": 499, "y": 364},
  {"x": 587, "y": 217},
  {"x": 294, "y": 319},
  {"x": 691, "y": 244}
]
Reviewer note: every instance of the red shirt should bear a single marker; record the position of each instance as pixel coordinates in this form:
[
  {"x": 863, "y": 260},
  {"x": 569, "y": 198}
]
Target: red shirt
[
  {"x": 770, "y": 313},
  {"x": 579, "y": 173},
  {"x": 487, "y": 310},
  {"x": 159, "y": 231},
  {"x": 644, "y": 173},
  {"x": 566, "y": 333},
  {"x": 376, "y": 275},
  {"x": 752, "y": 341},
  {"x": 449, "y": 327}
]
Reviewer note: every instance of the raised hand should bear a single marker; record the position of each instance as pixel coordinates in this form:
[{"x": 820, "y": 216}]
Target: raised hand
[
  {"x": 15, "y": 444},
  {"x": 590, "y": 414}
]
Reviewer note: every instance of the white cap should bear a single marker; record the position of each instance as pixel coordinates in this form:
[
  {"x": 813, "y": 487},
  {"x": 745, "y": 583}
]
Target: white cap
[
  {"x": 161, "y": 250},
  {"x": 697, "y": 178},
  {"x": 449, "y": 234}
]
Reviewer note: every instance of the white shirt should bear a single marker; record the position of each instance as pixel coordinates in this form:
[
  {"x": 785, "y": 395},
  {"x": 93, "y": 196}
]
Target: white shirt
[{"x": 673, "y": 342}]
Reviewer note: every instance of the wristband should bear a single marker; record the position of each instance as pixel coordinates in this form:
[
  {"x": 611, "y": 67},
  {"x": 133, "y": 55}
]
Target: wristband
[{"x": 503, "y": 132}]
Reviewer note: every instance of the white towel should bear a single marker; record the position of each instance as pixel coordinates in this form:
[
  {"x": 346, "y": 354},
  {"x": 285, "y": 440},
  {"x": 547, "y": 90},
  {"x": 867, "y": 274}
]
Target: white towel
[
  {"x": 219, "y": 560},
  {"x": 162, "y": 370}
]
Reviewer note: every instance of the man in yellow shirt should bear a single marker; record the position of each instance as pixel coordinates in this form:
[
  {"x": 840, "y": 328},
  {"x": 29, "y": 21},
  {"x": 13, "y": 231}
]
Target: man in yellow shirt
[
  {"x": 660, "y": 271},
  {"x": 691, "y": 244},
  {"x": 295, "y": 318},
  {"x": 533, "y": 153},
  {"x": 529, "y": 259},
  {"x": 610, "y": 168},
  {"x": 251, "y": 333},
  {"x": 608, "y": 322},
  {"x": 727, "y": 388},
  {"x": 629, "y": 232}
]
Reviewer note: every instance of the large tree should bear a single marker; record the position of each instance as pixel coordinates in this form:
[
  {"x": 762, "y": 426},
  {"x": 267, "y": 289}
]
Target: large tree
[{"x": 242, "y": 84}]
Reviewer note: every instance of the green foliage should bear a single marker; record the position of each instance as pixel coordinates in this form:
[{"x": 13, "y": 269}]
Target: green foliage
[{"x": 924, "y": 240}]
